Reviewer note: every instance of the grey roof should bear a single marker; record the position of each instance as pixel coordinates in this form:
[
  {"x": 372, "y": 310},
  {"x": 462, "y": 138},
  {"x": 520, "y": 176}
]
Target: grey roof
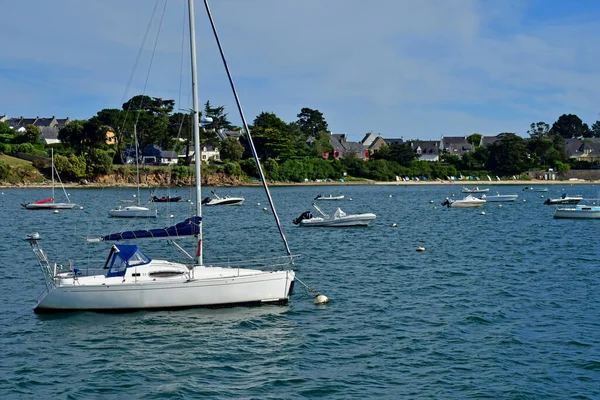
[
  {"x": 488, "y": 140},
  {"x": 168, "y": 154},
  {"x": 573, "y": 146},
  {"x": 394, "y": 141},
  {"x": 339, "y": 142},
  {"x": 49, "y": 132},
  {"x": 425, "y": 146}
]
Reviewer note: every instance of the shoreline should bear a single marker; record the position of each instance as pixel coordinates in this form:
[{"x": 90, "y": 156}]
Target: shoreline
[{"x": 333, "y": 183}]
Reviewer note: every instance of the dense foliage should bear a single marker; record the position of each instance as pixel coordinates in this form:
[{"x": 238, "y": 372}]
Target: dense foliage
[{"x": 289, "y": 152}]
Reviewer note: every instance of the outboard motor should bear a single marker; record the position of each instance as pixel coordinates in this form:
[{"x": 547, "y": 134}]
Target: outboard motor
[
  {"x": 446, "y": 202},
  {"x": 304, "y": 215},
  {"x": 206, "y": 200},
  {"x": 547, "y": 201}
]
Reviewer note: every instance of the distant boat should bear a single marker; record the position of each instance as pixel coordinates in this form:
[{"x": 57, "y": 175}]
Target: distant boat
[
  {"x": 135, "y": 211},
  {"x": 499, "y": 197},
  {"x": 468, "y": 201},
  {"x": 474, "y": 190},
  {"x": 49, "y": 204},
  {"x": 534, "y": 189},
  {"x": 222, "y": 201},
  {"x": 166, "y": 199},
  {"x": 578, "y": 212},
  {"x": 337, "y": 218},
  {"x": 564, "y": 199},
  {"x": 330, "y": 197}
]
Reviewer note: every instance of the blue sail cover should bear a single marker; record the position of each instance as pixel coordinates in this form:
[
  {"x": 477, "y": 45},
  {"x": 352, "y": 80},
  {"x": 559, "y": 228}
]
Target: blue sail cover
[{"x": 189, "y": 227}]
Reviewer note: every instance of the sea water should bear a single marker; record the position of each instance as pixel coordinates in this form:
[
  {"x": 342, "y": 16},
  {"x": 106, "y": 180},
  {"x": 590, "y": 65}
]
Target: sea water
[{"x": 501, "y": 305}]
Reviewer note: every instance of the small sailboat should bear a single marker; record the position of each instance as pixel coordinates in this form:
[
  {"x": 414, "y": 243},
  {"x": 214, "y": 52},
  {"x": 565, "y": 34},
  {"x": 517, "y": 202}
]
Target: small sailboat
[
  {"x": 136, "y": 210},
  {"x": 49, "y": 203},
  {"x": 130, "y": 280}
]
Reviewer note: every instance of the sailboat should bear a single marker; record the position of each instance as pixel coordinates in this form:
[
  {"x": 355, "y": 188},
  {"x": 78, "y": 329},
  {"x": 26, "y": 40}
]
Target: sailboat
[
  {"x": 137, "y": 210},
  {"x": 129, "y": 280},
  {"x": 49, "y": 203}
]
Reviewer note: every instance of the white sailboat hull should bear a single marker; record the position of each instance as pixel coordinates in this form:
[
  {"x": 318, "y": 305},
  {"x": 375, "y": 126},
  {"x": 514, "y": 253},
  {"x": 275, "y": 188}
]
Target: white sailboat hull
[
  {"x": 49, "y": 206},
  {"x": 211, "y": 287},
  {"x": 500, "y": 197},
  {"x": 578, "y": 212},
  {"x": 133, "y": 212}
]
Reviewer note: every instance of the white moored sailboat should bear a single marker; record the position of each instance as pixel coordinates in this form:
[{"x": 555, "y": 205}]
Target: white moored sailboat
[
  {"x": 129, "y": 280},
  {"x": 50, "y": 204},
  {"x": 137, "y": 210}
]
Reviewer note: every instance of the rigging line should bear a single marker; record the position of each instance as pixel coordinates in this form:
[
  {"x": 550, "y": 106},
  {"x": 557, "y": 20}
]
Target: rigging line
[
  {"x": 137, "y": 60},
  {"x": 152, "y": 59},
  {"x": 247, "y": 130}
]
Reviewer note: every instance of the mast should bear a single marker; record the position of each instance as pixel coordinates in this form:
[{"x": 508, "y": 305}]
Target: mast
[
  {"x": 52, "y": 172},
  {"x": 196, "y": 125},
  {"x": 137, "y": 164}
]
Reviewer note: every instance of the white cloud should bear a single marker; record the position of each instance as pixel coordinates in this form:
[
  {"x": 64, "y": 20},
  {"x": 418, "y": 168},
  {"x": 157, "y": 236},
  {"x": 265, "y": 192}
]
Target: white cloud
[{"x": 418, "y": 69}]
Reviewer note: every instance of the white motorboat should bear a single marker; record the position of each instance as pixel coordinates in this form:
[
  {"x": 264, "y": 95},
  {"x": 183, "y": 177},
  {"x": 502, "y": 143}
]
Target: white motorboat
[
  {"x": 222, "y": 201},
  {"x": 468, "y": 201},
  {"x": 564, "y": 199},
  {"x": 534, "y": 189},
  {"x": 474, "y": 190},
  {"x": 50, "y": 204},
  {"x": 133, "y": 212},
  {"x": 579, "y": 211},
  {"x": 337, "y": 218},
  {"x": 499, "y": 197},
  {"x": 129, "y": 280},
  {"x": 330, "y": 197}
]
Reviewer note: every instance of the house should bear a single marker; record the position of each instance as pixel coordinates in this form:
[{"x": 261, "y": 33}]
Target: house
[
  {"x": 456, "y": 145},
  {"x": 343, "y": 148},
  {"x": 224, "y": 134},
  {"x": 373, "y": 142},
  {"x": 583, "y": 150},
  {"x": 168, "y": 157},
  {"x": 207, "y": 153},
  {"x": 48, "y": 127},
  {"x": 427, "y": 150},
  {"x": 49, "y": 134},
  {"x": 154, "y": 155}
]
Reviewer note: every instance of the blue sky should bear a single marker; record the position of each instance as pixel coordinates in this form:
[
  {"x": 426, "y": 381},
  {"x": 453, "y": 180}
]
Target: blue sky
[{"x": 403, "y": 68}]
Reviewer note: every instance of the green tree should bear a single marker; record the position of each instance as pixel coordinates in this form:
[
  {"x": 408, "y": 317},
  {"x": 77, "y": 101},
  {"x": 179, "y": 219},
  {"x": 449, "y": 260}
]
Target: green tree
[
  {"x": 539, "y": 130},
  {"x": 400, "y": 153},
  {"x": 508, "y": 155},
  {"x": 99, "y": 162},
  {"x": 311, "y": 122},
  {"x": 218, "y": 115},
  {"x": 271, "y": 137},
  {"x": 571, "y": 126},
  {"x": 231, "y": 149},
  {"x": 71, "y": 167},
  {"x": 32, "y": 134},
  {"x": 474, "y": 139}
]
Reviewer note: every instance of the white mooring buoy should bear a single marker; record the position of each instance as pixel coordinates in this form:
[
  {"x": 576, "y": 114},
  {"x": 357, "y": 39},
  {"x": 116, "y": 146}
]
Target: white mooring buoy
[
  {"x": 420, "y": 248},
  {"x": 483, "y": 213},
  {"x": 500, "y": 205},
  {"x": 394, "y": 225},
  {"x": 264, "y": 208},
  {"x": 321, "y": 299},
  {"x": 171, "y": 216},
  {"x": 55, "y": 211},
  {"x": 430, "y": 201}
]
